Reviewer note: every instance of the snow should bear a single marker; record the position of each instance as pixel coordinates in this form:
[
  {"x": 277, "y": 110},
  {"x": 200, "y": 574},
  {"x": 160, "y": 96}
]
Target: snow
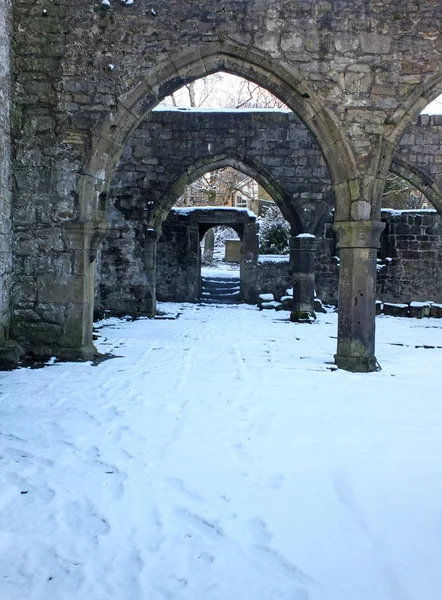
[
  {"x": 397, "y": 213},
  {"x": 420, "y": 304},
  {"x": 221, "y": 270},
  {"x": 270, "y": 304},
  {"x": 273, "y": 258},
  {"x": 396, "y": 305},
  {"x": 266, "y": 297},
  {"x": 305, "y": 235},
  {"x": 219, "y": 456},
  {"x": 187, "y": 210},
  {"x": 198, "y": 109}
]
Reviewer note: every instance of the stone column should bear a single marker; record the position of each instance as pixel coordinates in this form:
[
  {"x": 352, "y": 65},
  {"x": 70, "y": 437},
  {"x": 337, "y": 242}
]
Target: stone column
[
  {"x": 149, "y": 307},
  {"x": 249, "y": 262},
  {"x": 303, "y": 254},
  {"x": 72, "y": 294},
  {"x": 358, "y": 242}
]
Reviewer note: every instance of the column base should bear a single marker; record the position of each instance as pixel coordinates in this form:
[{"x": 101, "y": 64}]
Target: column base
[
  {"x": 357, "y": 364},
  {"x": 87, "y": 352},
  {"x": 10, "y": 356},
  {"x": 301, "y": 316}
]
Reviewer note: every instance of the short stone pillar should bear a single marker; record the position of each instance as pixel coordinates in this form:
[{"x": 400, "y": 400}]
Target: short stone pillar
[
  {"x": 358, "y": 242},
  {"x": 149, "y": 307},
  {"x": 303, "y": 254}
]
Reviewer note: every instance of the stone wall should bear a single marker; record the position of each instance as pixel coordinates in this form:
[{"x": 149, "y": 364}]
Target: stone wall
[
  {"x": 418, "y": 158},
  {"x": 411, "y": 255},
  {"x": 273, "y": 275},
  {"x": 408, "y": 265},
  {"x": 5, "y": 169},
  {"x": 178, "y": 261},
  {"x": 174, "y": 147},
  {"x": 125, "y": 276},
  {"x": 327, "y": 267},
  {"x": 85, "y": 76},
  {"x": 409, "y": 260}
]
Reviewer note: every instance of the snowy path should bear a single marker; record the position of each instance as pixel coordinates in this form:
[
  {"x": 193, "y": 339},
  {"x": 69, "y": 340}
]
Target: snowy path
[{"x": 220, "y": 458}]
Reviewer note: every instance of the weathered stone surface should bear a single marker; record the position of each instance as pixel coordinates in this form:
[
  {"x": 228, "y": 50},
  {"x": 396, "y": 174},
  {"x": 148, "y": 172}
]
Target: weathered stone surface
[
  {"x": 5, "y": 167},
  {"x": 396, "y": 310},
  {"x": 356, "y": 73},
  {"x": 409, "y": 266}
]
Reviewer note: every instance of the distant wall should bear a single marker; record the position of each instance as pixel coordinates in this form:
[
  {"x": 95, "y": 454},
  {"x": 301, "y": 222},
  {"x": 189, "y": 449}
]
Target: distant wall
[
  {"x": 273, "y": 275},
  {"x": 411, "y": 256},
  {"x": 409, "y": 260},
  {"x": 178, "y": 260}
]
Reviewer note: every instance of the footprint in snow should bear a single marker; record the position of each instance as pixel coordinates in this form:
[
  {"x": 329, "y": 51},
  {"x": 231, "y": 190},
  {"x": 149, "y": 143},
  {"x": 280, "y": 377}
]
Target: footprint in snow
[
  {"x": 199, "y": 524},
  {"x": 259, "y": 530},
  {"x": 275, "y": 481},
  {"x": 179, "y": 486},
  {"x": 82, "y": 519}
]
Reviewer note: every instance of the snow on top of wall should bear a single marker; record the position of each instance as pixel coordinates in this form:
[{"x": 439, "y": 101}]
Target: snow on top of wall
[
  {"x": 305, "y": 235},
  {"x": 220, "y": 110},
  {"x": 393, "y": 211},
  {"x": 273, "y": 258},
  {"x": 187, "y": 210}
]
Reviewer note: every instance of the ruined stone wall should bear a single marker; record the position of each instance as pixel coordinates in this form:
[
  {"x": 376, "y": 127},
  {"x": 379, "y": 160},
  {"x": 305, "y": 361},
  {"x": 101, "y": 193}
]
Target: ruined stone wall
[
  {"x": 5, "y": 168},
  {"x": 409, "y": 263},
  {"x": 327, "y": 267},
  {"x": 85, "y": 75},
  {"x": 271, "y": 144},
  {"x": 273, "y": 276},
  {"x": 47, "y": 162},
  {"x": 172, "y": 148},
  {"x": 178, "y": 261},
  {"x": 411, "y": 255},
  {"x": 419, "y": 158}
]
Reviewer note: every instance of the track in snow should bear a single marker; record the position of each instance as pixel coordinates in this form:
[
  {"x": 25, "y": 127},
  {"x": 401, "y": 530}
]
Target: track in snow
[{"x": 218, "y": 457}]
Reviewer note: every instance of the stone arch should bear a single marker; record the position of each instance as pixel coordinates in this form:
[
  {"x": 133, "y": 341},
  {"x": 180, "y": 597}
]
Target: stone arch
[
  {"x": 418, "y": 99},
  {"x": 407, "y": 113},
  {"x": 213, "y": 163},
  {"x": 238, "y": 229},
  {"x": 278, "y": 77},
  {"x": 420, "y": 179}
]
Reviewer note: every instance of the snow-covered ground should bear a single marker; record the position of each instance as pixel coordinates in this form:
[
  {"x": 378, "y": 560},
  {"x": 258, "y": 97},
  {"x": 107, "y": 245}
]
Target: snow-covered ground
[
  {"x": 219, "y": 457},
  {"x": 219, "y": 269}
]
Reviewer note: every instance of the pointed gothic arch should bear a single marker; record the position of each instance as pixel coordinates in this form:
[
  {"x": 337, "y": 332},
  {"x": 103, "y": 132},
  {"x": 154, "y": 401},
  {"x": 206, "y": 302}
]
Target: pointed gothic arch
[{"x": 279, "y": 78}]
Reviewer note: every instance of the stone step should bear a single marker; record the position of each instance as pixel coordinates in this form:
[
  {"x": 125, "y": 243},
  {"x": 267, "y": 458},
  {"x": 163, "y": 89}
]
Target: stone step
[
  {"x": 221, "y": 293},
  {"x": 215, "y": 288},
  {"x": 214, "y": 300},
  {"x": 220, "y": 290},
  {"x": 220, "y": 283}
]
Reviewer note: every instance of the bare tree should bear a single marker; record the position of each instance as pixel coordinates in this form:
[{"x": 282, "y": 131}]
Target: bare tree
[{"x": 401, "y": 195}]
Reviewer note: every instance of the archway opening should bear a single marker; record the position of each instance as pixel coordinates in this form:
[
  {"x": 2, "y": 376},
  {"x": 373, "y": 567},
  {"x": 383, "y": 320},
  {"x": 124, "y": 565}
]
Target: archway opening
[
  {"x": 251, "y": 96},
  {"x": 434, "y": 107},
  {"x": 401, "y": 194},
  {"x": 222, "y": 90}
]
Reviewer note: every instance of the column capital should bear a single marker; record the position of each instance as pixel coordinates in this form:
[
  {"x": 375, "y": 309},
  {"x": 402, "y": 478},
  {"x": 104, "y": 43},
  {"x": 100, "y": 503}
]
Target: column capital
[
  {"x": 304, "y": 241},
  {"x": 152, "y": 235},
  {"x": 83, "y": 235},
  {"x": 358, "y": 234}
]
